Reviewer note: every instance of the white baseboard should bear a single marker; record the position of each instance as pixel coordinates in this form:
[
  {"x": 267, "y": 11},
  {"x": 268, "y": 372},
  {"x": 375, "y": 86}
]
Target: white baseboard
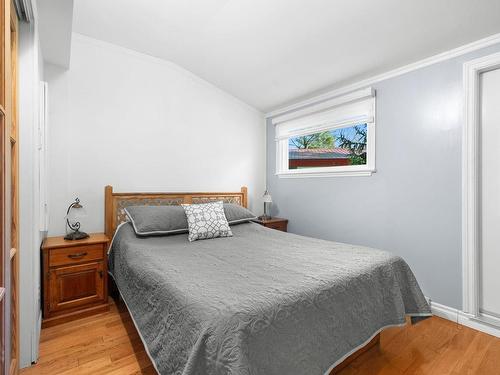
[{"x": 464, "y": 319}]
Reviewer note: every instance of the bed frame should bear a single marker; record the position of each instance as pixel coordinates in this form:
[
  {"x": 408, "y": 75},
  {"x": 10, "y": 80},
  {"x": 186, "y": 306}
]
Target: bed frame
[
  {"x": 114, "y": 215},
  {"x": 114, "y": 203}
]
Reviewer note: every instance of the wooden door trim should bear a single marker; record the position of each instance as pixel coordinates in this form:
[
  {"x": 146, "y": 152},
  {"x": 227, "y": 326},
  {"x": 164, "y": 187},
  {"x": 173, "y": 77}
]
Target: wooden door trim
[
  {"x": 4, "y": 200},
  {"x": 14, "y": 189}
]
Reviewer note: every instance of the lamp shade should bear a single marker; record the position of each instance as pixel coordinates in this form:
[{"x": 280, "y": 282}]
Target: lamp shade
[
  {"x": 76, "y": 213},
  {"x": 266, "y": 198}
]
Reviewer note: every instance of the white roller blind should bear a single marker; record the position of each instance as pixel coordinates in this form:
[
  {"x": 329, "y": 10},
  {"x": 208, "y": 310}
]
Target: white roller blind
[{"x": 359, "y": 111}]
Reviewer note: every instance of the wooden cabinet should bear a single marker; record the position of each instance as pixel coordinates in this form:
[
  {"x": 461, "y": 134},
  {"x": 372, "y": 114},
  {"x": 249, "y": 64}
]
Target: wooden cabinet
[
  {"x": 75, "y": 278},
  {"x": 277, "y": 223},
  {"x": 74, "y": 286}
]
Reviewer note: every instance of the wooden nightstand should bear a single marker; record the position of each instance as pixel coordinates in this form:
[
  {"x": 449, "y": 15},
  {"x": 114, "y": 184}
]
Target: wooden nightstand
[
  {"x": 274, "y": 223},
  {"x": 75, "y": 278}
]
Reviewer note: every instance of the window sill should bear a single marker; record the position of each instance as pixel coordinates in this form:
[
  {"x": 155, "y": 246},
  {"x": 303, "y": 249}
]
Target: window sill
[{"x": 329, "y": 173}]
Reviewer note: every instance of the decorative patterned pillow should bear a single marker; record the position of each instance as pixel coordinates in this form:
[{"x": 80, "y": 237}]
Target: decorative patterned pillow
[{"x": 206, "y": 221}]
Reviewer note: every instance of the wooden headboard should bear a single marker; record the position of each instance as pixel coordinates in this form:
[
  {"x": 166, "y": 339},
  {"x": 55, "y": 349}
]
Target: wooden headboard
[{"x": 114, "y": 203}]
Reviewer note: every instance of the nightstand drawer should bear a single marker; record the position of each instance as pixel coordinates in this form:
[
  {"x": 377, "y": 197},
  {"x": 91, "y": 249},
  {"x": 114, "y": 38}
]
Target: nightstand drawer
[
  {"x": 277, "y": 223},
  {"x": 278, "y": 226},
  {"x": 75, "y": 254}
]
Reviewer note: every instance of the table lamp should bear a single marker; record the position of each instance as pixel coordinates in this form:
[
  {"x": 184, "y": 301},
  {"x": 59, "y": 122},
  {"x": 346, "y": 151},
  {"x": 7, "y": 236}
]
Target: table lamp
[
  {"x": 74, "y": 213},
  {"x": 267, "y": 199}
]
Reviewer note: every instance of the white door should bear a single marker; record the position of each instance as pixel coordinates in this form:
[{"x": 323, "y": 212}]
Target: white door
[{"x": 489, "y": 296}]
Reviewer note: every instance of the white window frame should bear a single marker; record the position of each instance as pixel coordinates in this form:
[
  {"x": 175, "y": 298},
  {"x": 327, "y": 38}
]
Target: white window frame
[{"x": 305, "y": 115}]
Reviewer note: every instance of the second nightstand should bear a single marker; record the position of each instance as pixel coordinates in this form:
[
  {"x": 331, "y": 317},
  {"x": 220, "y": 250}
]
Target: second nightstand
[
  {"x": 274, "y": 223},
  {"x": 75, "y": 275}
]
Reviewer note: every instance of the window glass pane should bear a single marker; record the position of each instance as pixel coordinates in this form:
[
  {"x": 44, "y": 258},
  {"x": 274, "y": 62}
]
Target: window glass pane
[{"x": 338, "y": 147}]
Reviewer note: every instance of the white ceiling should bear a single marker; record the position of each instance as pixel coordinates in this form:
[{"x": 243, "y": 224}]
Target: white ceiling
[{"x": 271, "y": 52}]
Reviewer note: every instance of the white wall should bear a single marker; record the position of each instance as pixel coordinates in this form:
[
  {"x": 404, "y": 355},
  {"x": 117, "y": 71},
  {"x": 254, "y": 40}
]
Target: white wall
[
  {"x": 412, "y": 205},
  {"x": 139, "y": 123}
]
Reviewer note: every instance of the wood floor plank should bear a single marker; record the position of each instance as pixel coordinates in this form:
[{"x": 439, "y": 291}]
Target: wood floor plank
[
  {"x": 448, "y": 358},
  {"x": 473, "y": 356},
  {"x": 109, "y": 344},
  {"x": 490, "y": 363}
]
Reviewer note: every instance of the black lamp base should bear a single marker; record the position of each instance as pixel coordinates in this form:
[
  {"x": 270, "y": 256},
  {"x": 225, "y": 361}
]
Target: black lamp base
[{"x": 76, "y": 236}]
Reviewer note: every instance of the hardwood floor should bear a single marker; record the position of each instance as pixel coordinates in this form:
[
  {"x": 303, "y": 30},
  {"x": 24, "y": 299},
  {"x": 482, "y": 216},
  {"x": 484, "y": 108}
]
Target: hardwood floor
[
  {"x": 109, "y": 344},
  {"x": 101, "y": 344}
]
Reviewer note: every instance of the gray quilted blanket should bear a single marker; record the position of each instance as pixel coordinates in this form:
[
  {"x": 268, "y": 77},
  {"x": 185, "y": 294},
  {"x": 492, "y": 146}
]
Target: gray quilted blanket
[{"x": 261, "y": 302}]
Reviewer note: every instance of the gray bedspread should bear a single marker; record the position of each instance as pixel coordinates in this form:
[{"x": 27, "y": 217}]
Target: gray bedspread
[{"x": 261, "y": 302}]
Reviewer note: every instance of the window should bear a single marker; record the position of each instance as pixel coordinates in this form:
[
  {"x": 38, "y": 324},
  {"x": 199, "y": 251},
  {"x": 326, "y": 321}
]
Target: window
[
  {"x": 332, "y": 138},
  {"x": 330, "y": 148}
]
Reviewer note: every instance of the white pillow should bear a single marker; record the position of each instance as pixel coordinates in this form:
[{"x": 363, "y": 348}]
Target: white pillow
[{"x": 206, "y": 221}]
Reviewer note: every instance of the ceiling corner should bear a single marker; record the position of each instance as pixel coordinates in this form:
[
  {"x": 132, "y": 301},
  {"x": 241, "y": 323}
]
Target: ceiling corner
[{"x": 55, "y": 21}]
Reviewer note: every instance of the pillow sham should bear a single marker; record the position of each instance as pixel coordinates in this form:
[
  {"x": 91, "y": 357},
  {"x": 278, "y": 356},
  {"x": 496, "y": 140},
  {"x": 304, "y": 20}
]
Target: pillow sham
[
  {"x": 157, "y": 220},
  {"x": 236, "y": 214},
  {"x": 206, "y": 221},
  {"x": 164, "y": 220}
]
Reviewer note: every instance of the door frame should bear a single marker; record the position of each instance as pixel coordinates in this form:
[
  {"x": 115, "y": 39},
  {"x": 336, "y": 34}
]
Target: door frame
[{"x": 470, "y": 180}]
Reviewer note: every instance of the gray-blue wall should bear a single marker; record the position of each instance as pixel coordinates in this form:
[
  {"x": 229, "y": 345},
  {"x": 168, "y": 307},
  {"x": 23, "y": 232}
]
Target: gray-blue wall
[{"x": 412, "y": 205}]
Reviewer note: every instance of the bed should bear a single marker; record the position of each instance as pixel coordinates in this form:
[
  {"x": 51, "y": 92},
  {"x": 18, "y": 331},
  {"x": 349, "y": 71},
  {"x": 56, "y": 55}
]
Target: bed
[{"x": 260, "y": 302}]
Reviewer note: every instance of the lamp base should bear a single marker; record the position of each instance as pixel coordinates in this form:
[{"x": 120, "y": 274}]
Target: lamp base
[
  {"x": 264, "y": 217},
  {"x": 76, "y": 236}
]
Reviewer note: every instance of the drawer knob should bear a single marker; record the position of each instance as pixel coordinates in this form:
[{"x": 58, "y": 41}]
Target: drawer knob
[{"x": 77, "y": 255}]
